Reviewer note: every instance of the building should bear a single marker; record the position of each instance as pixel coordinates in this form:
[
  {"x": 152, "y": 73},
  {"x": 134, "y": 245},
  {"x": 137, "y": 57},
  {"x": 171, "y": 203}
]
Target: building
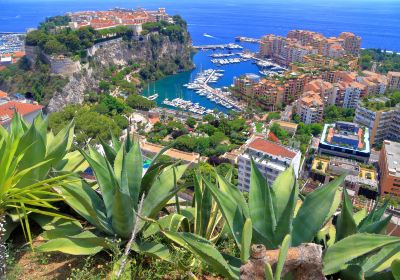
[
  {"x": 393, "y": 80},
  {"x": 27, "y": 110},
  {"x": 327, "y": 90},
  {"x": 374, "y": 83},
  {"x": 389, "y": 165},
  {"x": 351, "y": 43},
  {"x": 352, "y": 94},
  {"x": 271, "y": 159},
  {"x": 360, "y": 179},
  {"x": 345, "y": 140},
  {"x": 310, "y": 107},
  {"x": 244, "y": 84},
  {"x": 3, "y": 95},
  {"x": 382, "y": 120},
  {"x": 117, "y": 17},
  {"x": 301, "y": 43}
]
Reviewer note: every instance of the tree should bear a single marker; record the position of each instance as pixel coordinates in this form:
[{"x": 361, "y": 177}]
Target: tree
[
  {"x": 278, "y": 131},
  {"x": 139, "y": 102},
  {"x": 90, "y": 126},
  {"x": 316, "y": 129},
  {"x": 191, "y": 122}
]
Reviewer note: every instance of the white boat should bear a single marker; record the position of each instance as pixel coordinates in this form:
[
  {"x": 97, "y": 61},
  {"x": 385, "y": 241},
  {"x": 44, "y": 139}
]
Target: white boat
[{"x": 153, "y": 97}]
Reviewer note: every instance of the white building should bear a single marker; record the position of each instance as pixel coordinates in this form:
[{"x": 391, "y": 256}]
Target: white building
[
  {"x": 271, "y": 159},
  {"x": 351, "y": 96}
]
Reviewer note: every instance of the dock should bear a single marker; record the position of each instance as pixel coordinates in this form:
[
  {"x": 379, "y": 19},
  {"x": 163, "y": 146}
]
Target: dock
[
  {"x": 247, "y": 39},
  {"x": 230, "y": 46}
]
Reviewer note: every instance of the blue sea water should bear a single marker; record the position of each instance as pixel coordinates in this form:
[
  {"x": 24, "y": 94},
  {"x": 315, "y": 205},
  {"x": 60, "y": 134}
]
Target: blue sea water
[{"x": 376, "y": 21}]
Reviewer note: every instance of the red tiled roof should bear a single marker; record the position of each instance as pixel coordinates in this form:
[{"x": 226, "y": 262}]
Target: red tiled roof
[
  {"x": 272, "y": 137},
  {"x": 271, "y": 148},
  {"x": 3, "y": 94},
  {"x": 7, "y": 109}
]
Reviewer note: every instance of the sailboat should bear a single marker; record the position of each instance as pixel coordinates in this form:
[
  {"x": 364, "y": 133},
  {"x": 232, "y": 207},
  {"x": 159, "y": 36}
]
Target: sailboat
[{"x": 155, "y": 95}]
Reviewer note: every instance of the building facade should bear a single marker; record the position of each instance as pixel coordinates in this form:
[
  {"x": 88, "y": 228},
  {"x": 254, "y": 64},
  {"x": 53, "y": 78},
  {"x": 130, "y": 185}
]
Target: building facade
[
  {"x": 382, "y": 123},
  {"x": 310, "y": 107},
  {"x": 271, "y": 159},
  {"x": 389, "y": 165},
  {"x": 394, "y": 80}
]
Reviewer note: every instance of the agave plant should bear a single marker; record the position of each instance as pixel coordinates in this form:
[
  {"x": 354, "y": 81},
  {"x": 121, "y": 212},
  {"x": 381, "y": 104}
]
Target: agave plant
[
  {"x": 124, "y": 195},
  {"x": 369, "y": 256},
  {"x": 29, "y": 160},
  {"x": 270, "y": 214}
]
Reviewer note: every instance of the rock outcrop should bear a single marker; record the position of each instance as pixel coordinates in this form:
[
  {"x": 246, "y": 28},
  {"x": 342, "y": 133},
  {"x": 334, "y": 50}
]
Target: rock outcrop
[{"x": 84, "y": 77}]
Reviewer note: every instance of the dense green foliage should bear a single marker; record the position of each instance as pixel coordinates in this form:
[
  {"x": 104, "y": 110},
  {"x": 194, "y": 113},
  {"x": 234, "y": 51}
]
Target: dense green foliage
[
  {"x": 34, "y": 81},
  {"x": 333, "y": 114},
  {"x": 175, "y": 31},
  {"x": 385, "y": 61},
  {"x": 55, "y": 37},
  {"x": 393, "y": 98},
  {"x": 210, "y": 137},
  {"x": 136, "y": 101},
  {"x": 90, "y": 126}
]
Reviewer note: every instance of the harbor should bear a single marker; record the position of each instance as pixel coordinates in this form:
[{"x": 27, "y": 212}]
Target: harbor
[
  {"x": 11, "y": 42},
  {"x": 230, "y": 46},
  {"x": 207, "y": 85},
  {"x": 201, "y": 87}
]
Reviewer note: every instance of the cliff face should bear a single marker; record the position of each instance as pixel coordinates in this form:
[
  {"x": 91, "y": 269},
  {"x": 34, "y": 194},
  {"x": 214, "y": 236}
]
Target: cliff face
[{"x": 84, "y": 77}]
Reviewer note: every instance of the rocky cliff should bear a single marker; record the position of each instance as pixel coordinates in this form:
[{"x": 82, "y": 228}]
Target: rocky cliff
[{"x": 83, "y": 77}]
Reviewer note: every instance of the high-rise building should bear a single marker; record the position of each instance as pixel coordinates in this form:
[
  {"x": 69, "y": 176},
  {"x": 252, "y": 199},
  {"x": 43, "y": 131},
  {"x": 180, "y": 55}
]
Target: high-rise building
[
  {"x": 351, "y": 43},
  {"x": 270, "y": 158},
  {"x": 310, "y": 107},
  {"x": 382, "y": 120},
  {"x": 389, "y": 167},
  {"x": 393, "y": 80}
]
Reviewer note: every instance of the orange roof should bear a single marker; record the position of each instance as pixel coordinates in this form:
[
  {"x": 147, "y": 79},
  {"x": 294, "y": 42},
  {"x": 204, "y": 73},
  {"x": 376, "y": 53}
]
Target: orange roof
[
  {"x": 271, "y": 148},
  {"x": 272, "y": 137},
  {"x": 3, "y": 94},
  {"x": 7, "y": 110},
  {"x": 18, "y": 54}
]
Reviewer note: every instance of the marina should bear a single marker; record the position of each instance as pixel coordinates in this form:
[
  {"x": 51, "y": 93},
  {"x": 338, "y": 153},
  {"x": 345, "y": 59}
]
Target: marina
[
  {"x": 247, "y": 39},
  {"x": 230, "y": 46},
  {"x": 11, "y": 42}
]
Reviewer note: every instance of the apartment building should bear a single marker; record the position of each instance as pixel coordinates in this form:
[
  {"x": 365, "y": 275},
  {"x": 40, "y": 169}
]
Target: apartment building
[
  {"x": 351, "y": 43},
  {"x": 269, "y": 94},
  {"x": 374, "y": 83},
  {"x": 300, "y": 43},
  {"x": 310, "y": 107},
  {"x": 389, "y": 165},
  {"x": 393, "y": 80},
  {"x": 271, "y": 159},
  {"x": 382, "y": 121},
  {"x": 327, "y": 90},
  {"x": 351, "y": 94}
]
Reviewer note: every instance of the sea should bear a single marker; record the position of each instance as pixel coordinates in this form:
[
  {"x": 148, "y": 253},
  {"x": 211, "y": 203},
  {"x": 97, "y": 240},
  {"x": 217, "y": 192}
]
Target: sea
[{"x": 220, "y": 21}]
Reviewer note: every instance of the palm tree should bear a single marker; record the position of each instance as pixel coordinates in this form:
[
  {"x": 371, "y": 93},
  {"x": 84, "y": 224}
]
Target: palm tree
[{"x": 29, "y": 160}]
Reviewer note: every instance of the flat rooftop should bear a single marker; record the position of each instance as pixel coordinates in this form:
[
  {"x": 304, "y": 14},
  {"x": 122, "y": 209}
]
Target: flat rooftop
[{"x": 393, "y": 157}]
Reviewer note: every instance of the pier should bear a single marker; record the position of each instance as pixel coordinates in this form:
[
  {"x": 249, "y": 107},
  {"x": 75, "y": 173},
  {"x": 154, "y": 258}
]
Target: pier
[
  {"x": 247, "y": 39},
  {"x": 230, "y": 46}
]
